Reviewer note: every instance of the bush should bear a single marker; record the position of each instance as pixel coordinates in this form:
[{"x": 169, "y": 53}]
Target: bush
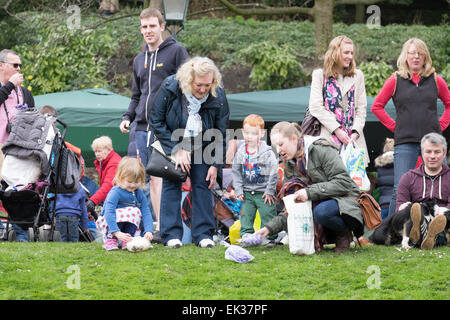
[
  {"x": 274, "y": 66},
  {"x": 375, "y": 74},
  {"x": 56, "y": 58}
]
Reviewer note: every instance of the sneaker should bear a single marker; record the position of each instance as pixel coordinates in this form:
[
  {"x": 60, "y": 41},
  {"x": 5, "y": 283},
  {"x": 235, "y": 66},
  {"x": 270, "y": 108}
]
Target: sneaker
[
  {"x": 206, "y": 243},
  {"x": 111, "y": 244},
  {"x": 436, "y": 226},
  {"x": 416, "y": 216},
  {"x": 174, "y": 243},
  {"x": 124, "y": 245}
]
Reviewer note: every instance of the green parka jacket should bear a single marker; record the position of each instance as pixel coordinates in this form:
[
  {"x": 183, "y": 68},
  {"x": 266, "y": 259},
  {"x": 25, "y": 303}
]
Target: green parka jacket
[{"x": 330, "y": 180}]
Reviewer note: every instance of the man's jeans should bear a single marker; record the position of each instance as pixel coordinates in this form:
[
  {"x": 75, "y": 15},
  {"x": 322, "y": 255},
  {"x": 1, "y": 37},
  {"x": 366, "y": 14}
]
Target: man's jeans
[{"x": 143, "y": 145}]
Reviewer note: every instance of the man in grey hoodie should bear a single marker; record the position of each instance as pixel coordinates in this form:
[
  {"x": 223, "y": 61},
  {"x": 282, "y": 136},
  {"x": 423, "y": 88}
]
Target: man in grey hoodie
[{"x": 159, "y": 59}]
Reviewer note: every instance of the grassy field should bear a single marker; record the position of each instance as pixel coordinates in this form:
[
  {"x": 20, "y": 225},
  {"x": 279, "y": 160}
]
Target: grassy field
[{"x": 85, "y": 271}]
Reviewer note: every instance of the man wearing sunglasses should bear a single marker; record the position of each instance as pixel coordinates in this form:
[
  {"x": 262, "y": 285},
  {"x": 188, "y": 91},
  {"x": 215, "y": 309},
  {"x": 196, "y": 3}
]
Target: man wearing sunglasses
[{"x": 12, "y": 93}]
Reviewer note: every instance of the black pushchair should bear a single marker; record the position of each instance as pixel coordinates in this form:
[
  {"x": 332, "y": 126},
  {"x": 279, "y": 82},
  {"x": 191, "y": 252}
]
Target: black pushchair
[
  {"x": 223, "y": 214},
  {"x": 30, "y": 208}
]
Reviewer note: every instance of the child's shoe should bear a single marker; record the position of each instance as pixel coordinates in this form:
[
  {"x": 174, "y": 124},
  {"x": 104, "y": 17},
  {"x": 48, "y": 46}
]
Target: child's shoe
[{"x": 110, "y": 244}]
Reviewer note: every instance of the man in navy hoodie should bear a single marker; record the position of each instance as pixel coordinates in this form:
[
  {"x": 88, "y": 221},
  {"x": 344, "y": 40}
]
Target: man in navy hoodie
[{"x": 159, "y": 59}]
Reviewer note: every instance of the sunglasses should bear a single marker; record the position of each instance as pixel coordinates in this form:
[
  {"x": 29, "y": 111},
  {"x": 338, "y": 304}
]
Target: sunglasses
[{"x": 15, "y": 65}]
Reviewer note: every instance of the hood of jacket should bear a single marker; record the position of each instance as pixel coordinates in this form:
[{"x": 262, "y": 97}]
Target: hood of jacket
[{"x": 385, "y": 159}]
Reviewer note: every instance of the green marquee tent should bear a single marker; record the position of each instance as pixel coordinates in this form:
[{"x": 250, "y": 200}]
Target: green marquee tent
[{"x": 90, "y": 113}]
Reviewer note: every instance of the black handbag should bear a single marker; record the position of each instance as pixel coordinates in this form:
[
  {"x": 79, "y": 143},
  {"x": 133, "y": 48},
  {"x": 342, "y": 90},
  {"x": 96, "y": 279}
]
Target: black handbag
[
  {"x": 310, "y": 125},
  {"x": 159, "y": 165}
]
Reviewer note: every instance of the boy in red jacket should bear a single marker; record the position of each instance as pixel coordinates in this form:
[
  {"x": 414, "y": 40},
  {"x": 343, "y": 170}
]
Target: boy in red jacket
[{"x": 106, "y": 163}]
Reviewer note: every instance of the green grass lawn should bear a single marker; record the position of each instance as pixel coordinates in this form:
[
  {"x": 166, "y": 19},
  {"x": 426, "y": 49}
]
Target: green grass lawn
[{"x": 66, "y": 271}]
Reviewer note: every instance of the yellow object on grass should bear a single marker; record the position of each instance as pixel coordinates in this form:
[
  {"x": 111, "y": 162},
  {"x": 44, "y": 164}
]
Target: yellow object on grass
[{"x": 236, "y": 227}]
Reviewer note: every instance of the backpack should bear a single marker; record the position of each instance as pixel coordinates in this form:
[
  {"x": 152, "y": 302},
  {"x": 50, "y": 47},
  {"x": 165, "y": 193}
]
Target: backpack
[
  {"x": 67, "y": 168},
  {"x": 371, "y": 210}
]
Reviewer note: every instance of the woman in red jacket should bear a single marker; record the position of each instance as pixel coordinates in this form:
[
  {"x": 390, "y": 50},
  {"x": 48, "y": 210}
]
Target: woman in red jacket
[
  {"x": 106, "y": 163},
  {"x": 414, "y": 89}
]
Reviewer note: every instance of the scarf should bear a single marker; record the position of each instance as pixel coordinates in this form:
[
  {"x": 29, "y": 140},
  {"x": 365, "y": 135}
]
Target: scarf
[
  {"x": 194, "y": 122},
  {"x": 332, "y": 97},
  {"x": 297, "y": 183}
]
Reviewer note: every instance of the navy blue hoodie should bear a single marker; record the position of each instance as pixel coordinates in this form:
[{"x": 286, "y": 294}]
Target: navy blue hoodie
[{"x": 162, "y": 62}]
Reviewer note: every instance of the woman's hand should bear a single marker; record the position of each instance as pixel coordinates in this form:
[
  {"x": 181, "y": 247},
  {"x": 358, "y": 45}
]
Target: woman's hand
[
  {"x": 240, "y": 198},
  {"x": 268, "y": 198},
  {"x": 211, "y": 176},
  {"x": 148, "y": 236},
  {"x": 354, "y": 136},
  {"x": 342, "y": 136},
  {"x": 183, "y": 159},
  {"x": 301, "y": 195},
  {"x": 123, "y": 236},
  {"x": 263, "y": 232}
]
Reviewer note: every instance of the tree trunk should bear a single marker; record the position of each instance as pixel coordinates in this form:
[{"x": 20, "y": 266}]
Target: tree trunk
[
  {"x": 360, "y": 13},
  {"x": 323, "y": 26}
]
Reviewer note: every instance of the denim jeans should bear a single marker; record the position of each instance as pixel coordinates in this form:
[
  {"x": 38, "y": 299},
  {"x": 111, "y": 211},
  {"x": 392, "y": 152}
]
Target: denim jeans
[
  {"x": 327, "y": 214},
  {"x": 143, "y": 145},
  {"x": 405, "y": 158},
  {"x": 21, "y": 235},
  {"x": 202, "y": 223},
  {"x": 67, "y": 227},
  {"x": 145, "y": 151}
]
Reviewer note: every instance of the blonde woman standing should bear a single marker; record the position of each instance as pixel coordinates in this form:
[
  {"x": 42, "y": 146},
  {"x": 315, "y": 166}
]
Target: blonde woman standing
[
  {"x": 338, "y": 96},
  {"x": 188, "y": 108},
  {"x": 414, "y": 89}
]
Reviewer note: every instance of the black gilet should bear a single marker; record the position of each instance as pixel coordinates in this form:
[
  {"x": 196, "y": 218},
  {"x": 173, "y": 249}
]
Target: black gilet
[{"x": 416, "y": 108}]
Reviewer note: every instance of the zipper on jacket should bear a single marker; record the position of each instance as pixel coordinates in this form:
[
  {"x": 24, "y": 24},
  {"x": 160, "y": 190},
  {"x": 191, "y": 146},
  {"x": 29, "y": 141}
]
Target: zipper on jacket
[{"x": 151, "y": 69}]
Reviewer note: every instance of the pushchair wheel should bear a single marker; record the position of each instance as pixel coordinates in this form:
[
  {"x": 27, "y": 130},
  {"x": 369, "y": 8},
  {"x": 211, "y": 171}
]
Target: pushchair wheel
[
  {"x": 11, "y": 236},
  {"x": 31, "y": 235},
  {"x": 43, "y": 235},
  {"x": 56, "y": 236}
]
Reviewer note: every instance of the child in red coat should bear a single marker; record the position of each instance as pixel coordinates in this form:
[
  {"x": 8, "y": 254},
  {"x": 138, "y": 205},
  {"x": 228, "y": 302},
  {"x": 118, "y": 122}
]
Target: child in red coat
[{"x": 106, "y": 163}]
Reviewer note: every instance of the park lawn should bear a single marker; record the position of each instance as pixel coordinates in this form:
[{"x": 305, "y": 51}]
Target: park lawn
[{"x": 43, "y": 271}]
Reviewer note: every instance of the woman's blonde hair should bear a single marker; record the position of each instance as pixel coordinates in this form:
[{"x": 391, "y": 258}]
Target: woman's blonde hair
[
  {"x": 333, "y": 58},
  {"x": 103, "y": 142},
  {"x": 402, "y": 64},
  {"x": 131, "y": 169},
  {"x": 198, "y": 66},
  {"x": 287, "y": 129}
]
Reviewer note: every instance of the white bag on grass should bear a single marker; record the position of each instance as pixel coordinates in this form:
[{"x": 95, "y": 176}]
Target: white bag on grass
[
  {"x": 300, "y": 226},
  {"x": 353, "y": 158}
]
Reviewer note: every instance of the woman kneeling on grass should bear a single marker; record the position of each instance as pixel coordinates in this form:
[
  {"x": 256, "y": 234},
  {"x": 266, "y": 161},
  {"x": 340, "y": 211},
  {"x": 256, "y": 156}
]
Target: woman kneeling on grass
[
  {"x": 125, "y": 207},
  {"x": 314, "y": 164}
]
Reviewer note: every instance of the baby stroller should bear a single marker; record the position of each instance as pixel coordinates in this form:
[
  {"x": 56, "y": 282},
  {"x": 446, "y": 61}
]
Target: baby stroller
[
  {"x": 224, "y": 215},
  {"x": 35, "y": 145}
]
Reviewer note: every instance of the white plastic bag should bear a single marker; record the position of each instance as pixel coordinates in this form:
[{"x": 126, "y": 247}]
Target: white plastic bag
[
  {"x": 353, "y": 158},
  {"x": 300, "y": 226}
]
